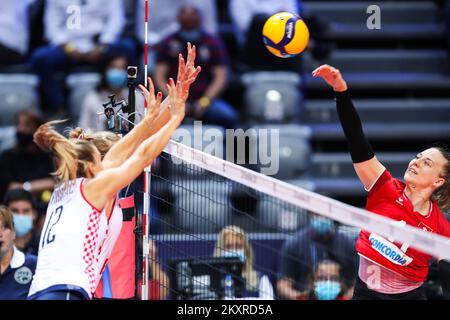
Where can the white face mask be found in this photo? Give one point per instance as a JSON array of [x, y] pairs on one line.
[[239, 253]]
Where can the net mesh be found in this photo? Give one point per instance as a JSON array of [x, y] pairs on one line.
[[215, 237]]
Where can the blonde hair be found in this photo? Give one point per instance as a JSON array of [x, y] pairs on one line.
[[248, 273], [442, 195], [6, 217], [72, 156], [102, 140]]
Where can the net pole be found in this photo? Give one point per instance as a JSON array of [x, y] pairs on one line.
[[147, 181]]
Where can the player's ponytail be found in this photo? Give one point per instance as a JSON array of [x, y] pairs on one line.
[[102, 140], [442, 194], [72, 157]]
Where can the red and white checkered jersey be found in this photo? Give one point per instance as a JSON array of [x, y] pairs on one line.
[[68, 248]]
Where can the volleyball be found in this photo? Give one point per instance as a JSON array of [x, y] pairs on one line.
[[285, 34]]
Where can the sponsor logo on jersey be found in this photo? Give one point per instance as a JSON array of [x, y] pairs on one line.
[[389, 250], [23, 275]]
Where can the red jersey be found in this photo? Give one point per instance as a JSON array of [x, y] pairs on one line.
[[387, 198]]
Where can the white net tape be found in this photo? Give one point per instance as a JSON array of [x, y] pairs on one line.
[[432, 244]]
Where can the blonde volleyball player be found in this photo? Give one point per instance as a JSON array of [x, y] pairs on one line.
[[392, 270], [67, 263], [115, 150]]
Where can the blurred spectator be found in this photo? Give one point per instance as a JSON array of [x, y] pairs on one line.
[[204, 102], [26, 166], [16, 268], [27, 224], [113, 81], [14, 31], [232, 242], [242, 13], [162, 20], [82, 33], [322, 239], [327, 282]]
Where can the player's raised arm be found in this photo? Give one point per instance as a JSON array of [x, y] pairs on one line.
[[152, 122], [108, 182], [366, 164]]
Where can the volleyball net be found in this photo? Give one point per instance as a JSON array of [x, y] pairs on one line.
[[219, 230]]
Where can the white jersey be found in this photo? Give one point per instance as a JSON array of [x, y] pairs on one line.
[[69, 241], [109, 231]]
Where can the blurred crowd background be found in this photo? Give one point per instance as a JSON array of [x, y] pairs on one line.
[[63, 58]]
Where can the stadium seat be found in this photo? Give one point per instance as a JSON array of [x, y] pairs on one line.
[[201, 207], [294, 151], [79, 85], [7, 137], [272, 96], [17, 92]]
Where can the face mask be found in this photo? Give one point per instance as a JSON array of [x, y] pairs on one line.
[[191, 35], [235, 254], [24, 139], [22, 224], [327, 290], [322, 226], [116, 78]]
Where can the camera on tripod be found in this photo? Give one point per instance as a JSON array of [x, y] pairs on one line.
[[121, 115]]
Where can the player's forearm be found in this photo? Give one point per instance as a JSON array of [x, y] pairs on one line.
[[125, 147], [360, 148], [153, 146]]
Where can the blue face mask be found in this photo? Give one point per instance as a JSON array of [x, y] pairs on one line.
[[322, 226], [191, 35], [22, 224], [235, 254], [327, 290], [116, 78]]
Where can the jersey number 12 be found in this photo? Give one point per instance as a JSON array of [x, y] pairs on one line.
[[48, 236]]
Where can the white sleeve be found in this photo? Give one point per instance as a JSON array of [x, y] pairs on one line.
[[116, 22], [265, 288], [54, 21]]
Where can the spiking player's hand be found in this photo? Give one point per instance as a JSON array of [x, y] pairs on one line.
[[332, 76]]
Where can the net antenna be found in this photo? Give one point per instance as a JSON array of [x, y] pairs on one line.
[[147, 182]]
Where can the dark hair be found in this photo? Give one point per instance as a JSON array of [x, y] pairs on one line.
[[442, 195], [105, 64], [33, 115], [18, 195]]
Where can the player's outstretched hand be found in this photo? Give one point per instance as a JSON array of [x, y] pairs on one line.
[[153, 102], [332, 76], [177, 98], [187, 72]]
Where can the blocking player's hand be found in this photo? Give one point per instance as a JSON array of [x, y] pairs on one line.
[[332, 76], [187, 72], [177, 98]]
